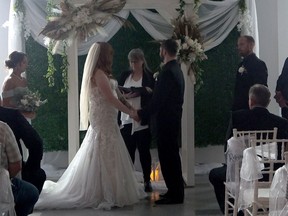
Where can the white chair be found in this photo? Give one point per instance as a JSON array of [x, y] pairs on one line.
[[232, 184], [6, 195], [278, 200], [253, 192]]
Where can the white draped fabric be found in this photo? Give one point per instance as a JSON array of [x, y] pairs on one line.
[[278, 204], [216, 20]]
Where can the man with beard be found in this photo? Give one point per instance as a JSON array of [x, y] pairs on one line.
[[250, 71], [165, 110]]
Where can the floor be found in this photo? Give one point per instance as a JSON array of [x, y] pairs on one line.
[[199, 200]]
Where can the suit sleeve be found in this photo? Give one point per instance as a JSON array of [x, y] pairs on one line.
[[261, 74], [162, 91], [283, 78], [284, 112]]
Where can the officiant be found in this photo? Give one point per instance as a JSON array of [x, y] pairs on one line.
[[138, 84]]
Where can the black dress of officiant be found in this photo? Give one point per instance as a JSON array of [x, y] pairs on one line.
[[139, 80], [250, 71]]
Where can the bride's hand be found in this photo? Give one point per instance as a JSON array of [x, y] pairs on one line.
[[134, 115]]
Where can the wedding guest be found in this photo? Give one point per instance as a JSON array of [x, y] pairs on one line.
[[101, 174], [25, 194], [15, 83], [257, 118], [23, 130], [166, 112], [140, 80], [250, 71], [281, 95]]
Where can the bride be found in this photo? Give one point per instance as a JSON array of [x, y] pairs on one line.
[[101, 174]]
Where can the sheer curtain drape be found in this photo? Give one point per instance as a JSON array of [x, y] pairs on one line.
[[216, 20]]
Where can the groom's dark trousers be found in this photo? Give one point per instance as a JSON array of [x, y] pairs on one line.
[[166, 113]]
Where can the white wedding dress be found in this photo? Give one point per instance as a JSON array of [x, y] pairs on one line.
[[101, 175]]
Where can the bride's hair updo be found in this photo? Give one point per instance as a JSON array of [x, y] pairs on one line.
[[105, 58], [14, 59]]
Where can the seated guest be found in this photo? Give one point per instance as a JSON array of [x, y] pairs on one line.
[[25, 194], [256, 118], [31, 171]]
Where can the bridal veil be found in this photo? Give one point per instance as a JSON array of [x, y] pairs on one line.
[[89, 68]]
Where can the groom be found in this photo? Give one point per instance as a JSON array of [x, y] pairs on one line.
[[166, 112], [31, 170]]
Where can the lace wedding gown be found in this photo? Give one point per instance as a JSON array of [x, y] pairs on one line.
[[101, 174]]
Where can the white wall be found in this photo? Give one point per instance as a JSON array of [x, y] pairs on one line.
[[273, 45], [4, 16]]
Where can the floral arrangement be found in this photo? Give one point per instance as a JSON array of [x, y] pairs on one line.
[[83, 21], [71, 22], [244, 18], [188, 37], [29, 101]]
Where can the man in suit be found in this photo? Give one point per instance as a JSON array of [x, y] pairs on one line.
[[31, 170], [25, 194], [166, 111], [250, 71], [281, 95], [257, 118]]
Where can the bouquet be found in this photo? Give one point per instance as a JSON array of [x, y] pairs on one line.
[[29, 101]]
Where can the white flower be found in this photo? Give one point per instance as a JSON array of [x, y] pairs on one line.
[[37, 103], [242, 70], [155, 75], [24, 101], [185, 46]]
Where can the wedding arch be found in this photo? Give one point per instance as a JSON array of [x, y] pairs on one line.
[[216, 21]]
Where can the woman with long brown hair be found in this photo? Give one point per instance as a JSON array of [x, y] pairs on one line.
[[101, 174]]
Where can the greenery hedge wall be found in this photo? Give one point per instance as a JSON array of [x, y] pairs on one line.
[[212, 102]]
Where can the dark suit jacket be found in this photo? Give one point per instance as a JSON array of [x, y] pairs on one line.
[[23, 130], [284, 112], [166, 105], [257, 118], [282, 82], [147, 81], [256, 73]]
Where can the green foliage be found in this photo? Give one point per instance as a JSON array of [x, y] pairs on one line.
[[242, 6], [51, 120], [214, 99]]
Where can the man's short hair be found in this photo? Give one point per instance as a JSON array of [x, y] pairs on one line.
[[260, 95], [171, 46], [249, 38]]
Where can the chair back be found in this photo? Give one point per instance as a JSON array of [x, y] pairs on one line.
[[240, 141]]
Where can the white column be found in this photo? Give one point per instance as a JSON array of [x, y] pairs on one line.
[[188, 136], [273, 45], [73, 102]]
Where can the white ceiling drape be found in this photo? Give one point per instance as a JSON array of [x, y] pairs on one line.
[[216, 21]]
